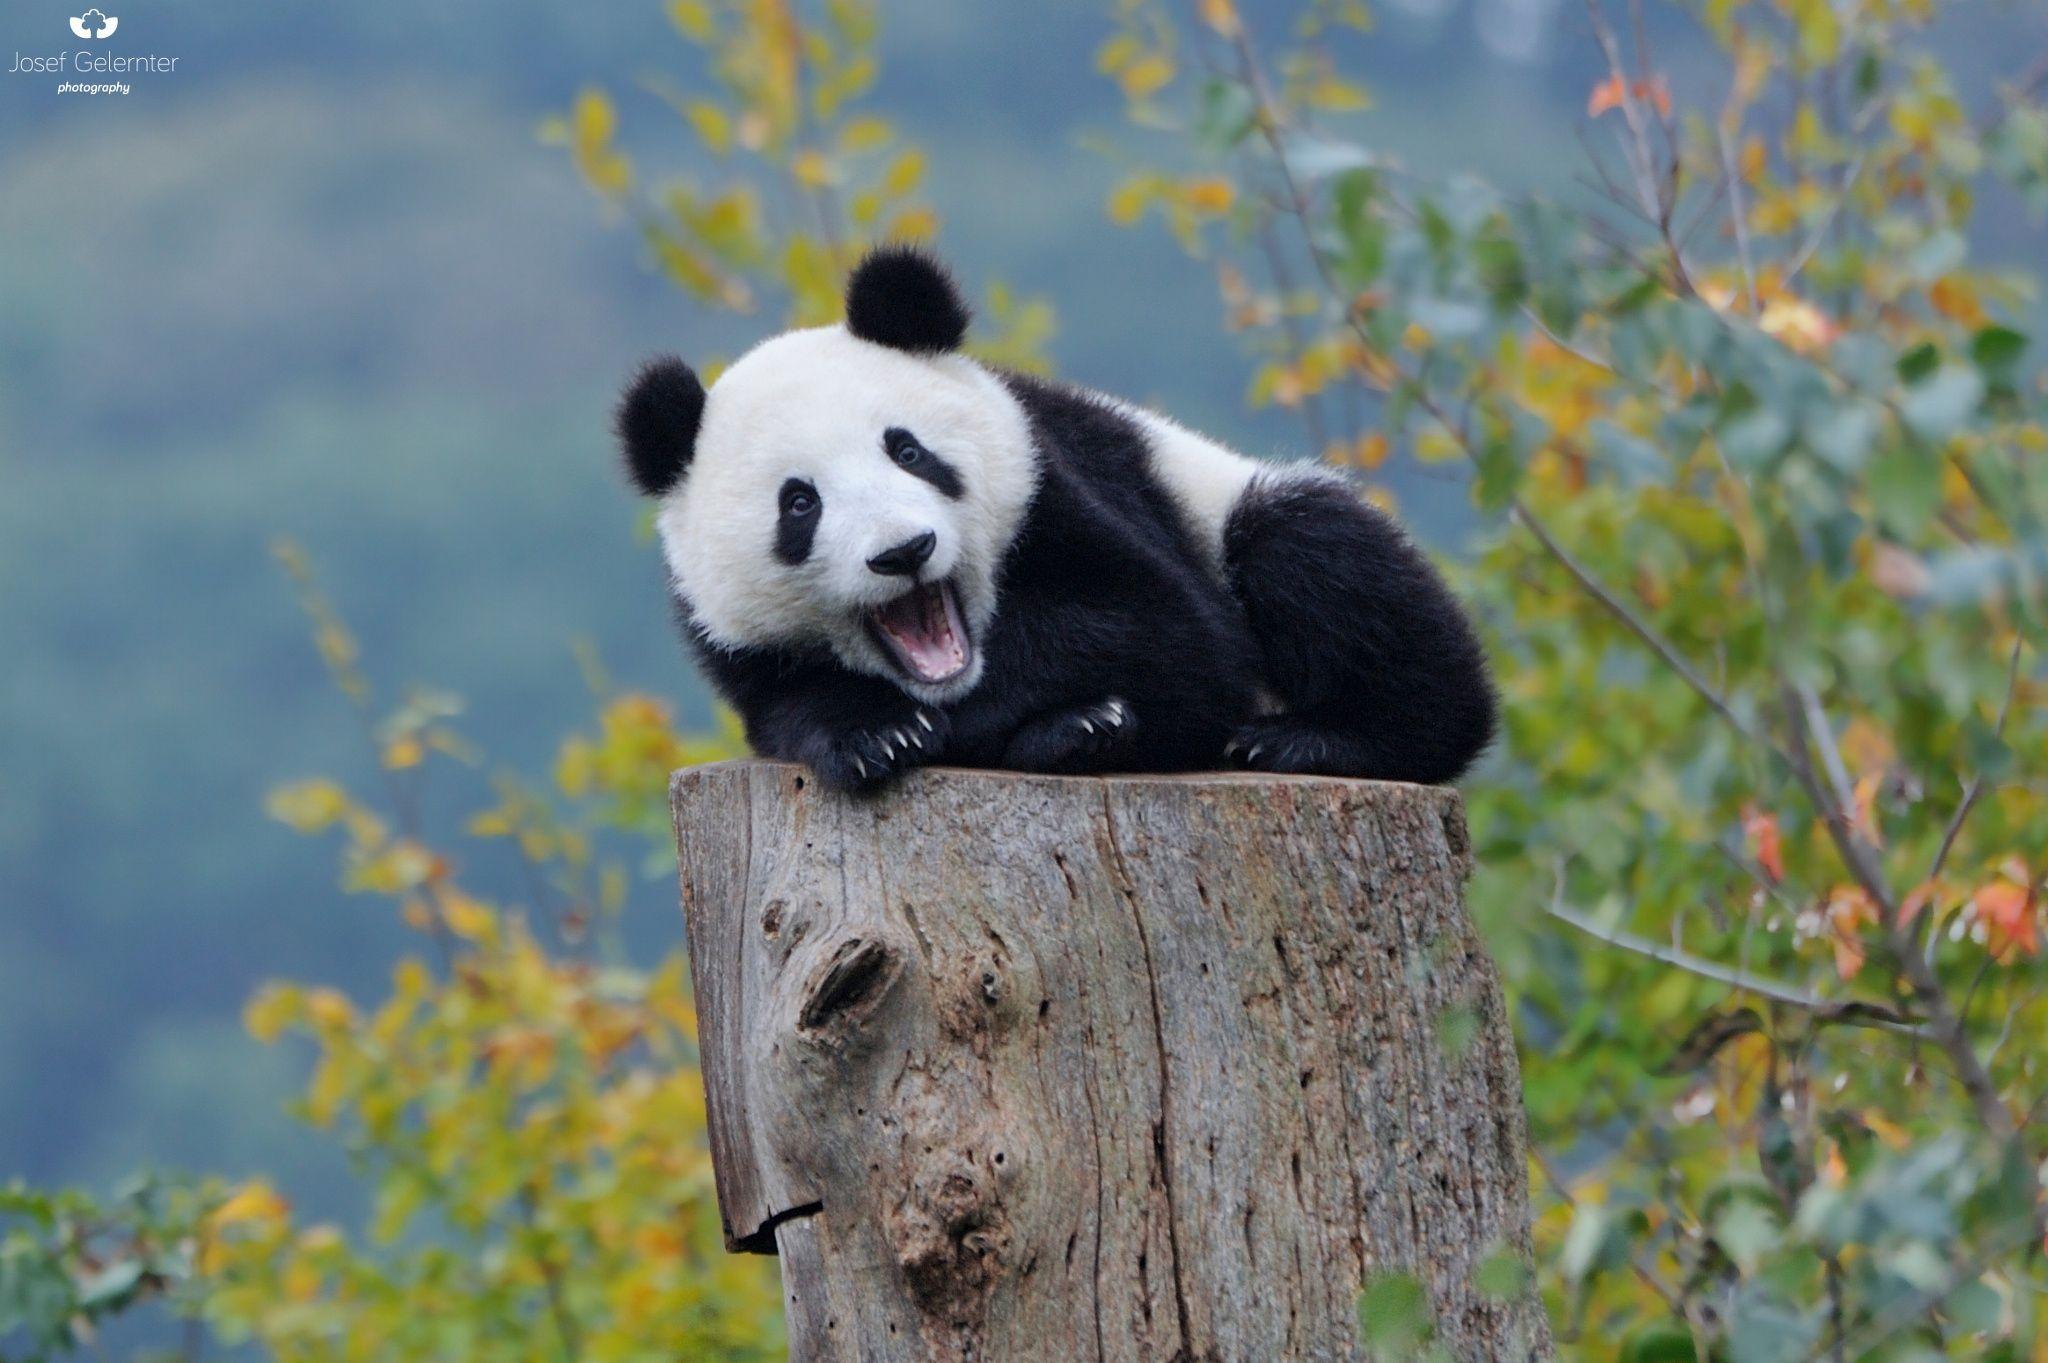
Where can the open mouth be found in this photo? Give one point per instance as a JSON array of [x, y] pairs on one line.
[[923, 632]]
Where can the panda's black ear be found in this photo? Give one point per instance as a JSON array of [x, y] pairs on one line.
[[657, 423], [902, 298]]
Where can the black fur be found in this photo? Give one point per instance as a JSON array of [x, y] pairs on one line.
[[900, 297], [1117, 647], [1377, 672], [657, 423], [913, 458]]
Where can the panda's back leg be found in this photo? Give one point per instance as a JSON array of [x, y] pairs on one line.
[[1377, 672]]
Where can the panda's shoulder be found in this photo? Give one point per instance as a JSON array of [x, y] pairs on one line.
[[1077, 426]]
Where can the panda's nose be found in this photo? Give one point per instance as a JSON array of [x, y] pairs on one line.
[[905, 558]]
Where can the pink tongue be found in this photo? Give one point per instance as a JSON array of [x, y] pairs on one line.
[[917, 623]]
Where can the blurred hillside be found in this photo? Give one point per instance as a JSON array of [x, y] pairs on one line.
[[325, 283]]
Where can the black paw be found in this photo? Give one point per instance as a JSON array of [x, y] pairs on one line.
[[1293, 746], [1086, 738], [866, 759]]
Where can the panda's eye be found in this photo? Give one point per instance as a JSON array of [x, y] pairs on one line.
[[798, 498], [902, 446]]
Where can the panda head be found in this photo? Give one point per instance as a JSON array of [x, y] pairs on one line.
[[850, 487]]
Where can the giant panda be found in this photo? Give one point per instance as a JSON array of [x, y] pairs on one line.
[[888, 554]]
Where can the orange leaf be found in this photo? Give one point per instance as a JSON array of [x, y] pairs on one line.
[[1762, 832], [2010, 923], [1863, 818], [1848, 909], [1917, 899], [1609, 94]]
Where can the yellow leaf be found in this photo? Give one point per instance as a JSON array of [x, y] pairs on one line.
[[274, 1008], [467, 918], [330, 1008], [402, 752], [1146, 76], [864, 134], [713, 126], [1128, 200], [308, 806], [811, 169], [1114, 55], [1338, 96], [914, 224], [256, 1201], [1800, 325], [904, 174], [1221, 17], [1212, 195], [693, 18]]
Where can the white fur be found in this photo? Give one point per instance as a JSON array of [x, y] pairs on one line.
[[1206, 478], [813, 404]]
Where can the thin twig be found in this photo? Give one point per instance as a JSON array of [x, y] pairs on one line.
[[1975, 785], [1854, 1013], [1738, 216]]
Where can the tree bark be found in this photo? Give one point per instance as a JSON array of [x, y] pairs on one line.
[[1021, 1068]]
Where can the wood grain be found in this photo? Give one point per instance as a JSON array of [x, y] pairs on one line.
[[1026, 1068]]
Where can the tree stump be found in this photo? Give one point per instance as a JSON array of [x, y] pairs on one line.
[[1020, 1068]]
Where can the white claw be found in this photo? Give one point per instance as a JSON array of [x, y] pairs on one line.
[[922, 720], [862, 766], [1089, 725], [888, 752], [1253, 755]]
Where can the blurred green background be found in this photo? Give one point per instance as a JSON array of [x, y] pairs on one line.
[[325, 282]]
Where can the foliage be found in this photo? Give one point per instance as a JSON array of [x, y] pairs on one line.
[[69, 1263], [527, 1112], [1759, 450], [793, 182]]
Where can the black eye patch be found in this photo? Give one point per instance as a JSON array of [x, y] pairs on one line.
[[914, 459], [796, 523]]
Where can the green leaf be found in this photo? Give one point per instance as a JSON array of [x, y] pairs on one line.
[[1664, 1342], [1227, 115], [1997, 350], [1905, 489], [1937, 406], [111, 1286], [1501, 1276], [1938, 255], [1756, 437], [1393, 1314], [1842, 435], [1917, 363]]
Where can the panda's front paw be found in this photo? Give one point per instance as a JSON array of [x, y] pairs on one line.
[[1282, 743], [866, 759], [1085, 738]]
